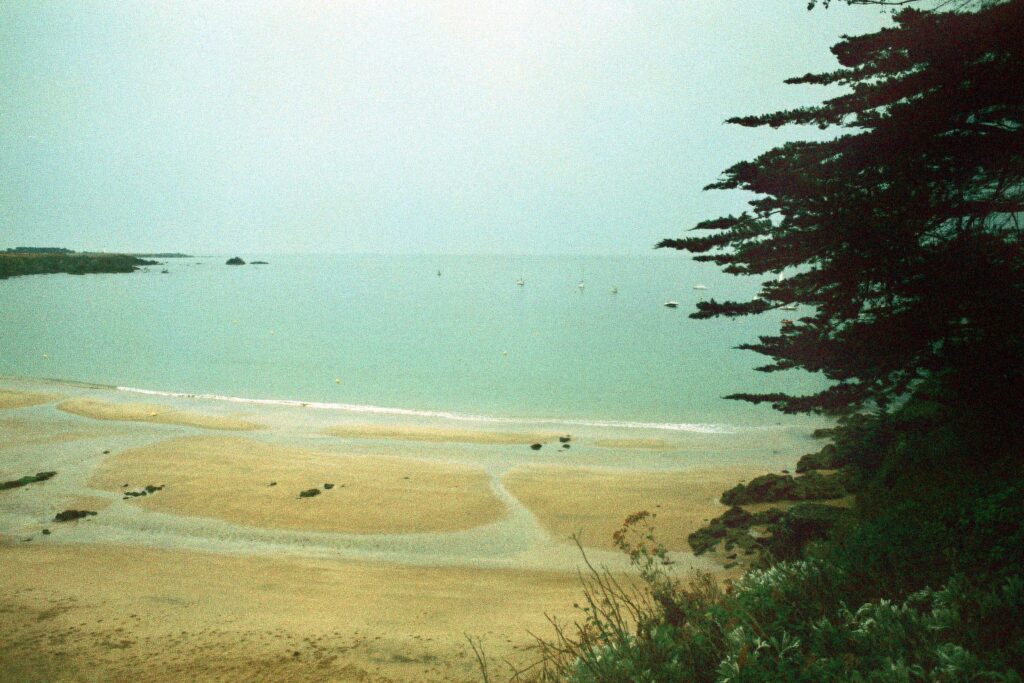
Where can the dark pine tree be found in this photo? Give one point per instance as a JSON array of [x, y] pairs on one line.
[[905, 230]]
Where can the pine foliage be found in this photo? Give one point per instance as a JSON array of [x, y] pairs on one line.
[[905, 229]]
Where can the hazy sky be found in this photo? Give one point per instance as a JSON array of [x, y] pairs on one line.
[[505, 126]]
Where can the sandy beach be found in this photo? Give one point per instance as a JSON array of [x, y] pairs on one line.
[[157, 414], [209, 559]]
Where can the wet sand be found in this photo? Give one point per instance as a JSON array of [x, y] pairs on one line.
[[22, 399], [431, 531], [157, 414], [641, 444], [438, 435]]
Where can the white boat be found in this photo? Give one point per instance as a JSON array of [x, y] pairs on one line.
[[700, 287], [615, 290], [671, 304], [789, 307], [520, 282], [581, 285]]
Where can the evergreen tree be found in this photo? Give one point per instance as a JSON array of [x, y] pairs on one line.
[[904, 232]]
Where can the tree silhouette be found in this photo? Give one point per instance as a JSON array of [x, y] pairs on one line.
[[903, 233]]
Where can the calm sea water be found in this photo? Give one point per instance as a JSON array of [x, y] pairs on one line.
[[395, 334]]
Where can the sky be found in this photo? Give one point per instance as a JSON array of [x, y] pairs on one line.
[[302, 126]]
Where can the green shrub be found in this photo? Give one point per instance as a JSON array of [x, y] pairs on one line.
[[922, 581], [791, 623]]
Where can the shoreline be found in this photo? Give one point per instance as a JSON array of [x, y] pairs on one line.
[[400, 412], [434, 518]]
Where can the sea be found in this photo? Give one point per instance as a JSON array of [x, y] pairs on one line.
[[582, 339]]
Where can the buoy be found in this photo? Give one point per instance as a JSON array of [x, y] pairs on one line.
[[337, 380]]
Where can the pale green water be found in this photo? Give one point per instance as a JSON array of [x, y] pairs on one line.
[[397, 335]]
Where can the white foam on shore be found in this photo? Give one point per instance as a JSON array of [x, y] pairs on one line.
[[699, 428]]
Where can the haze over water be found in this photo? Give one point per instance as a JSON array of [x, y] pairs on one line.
[[395, 334]]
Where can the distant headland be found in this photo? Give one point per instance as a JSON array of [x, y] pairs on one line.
[[44, 260]]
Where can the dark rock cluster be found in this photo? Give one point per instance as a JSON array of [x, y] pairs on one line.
[[770, 488], [828, 458], [26, 480], [781, 535], [72, 515], [145, 491]]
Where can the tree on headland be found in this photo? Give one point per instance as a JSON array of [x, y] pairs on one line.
[[902, 235]]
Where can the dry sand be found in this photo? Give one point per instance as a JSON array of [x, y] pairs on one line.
[[229, 478], [111, 613], [438, 435], [22, 399], [596, 501], [158, 414]]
